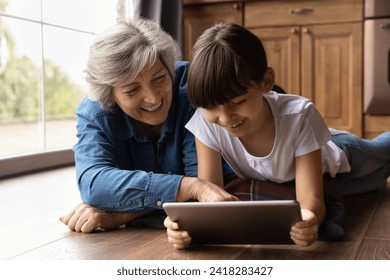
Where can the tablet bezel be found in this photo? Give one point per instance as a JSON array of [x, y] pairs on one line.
[[236, 222]]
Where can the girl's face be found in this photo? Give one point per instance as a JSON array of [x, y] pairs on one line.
[[148, 97], [243, 115]]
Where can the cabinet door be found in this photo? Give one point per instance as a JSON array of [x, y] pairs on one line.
[[331, 73], [283, 53], [198, 18]]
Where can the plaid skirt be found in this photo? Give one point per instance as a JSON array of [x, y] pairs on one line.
[[332, 226]]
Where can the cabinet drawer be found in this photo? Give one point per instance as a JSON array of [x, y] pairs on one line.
[[291, 12]]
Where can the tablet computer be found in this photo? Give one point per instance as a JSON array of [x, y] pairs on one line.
[[236, 222]]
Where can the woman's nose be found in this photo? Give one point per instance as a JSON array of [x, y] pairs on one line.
[[151, 94]]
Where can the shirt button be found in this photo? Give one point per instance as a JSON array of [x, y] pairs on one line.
[[159, 203]]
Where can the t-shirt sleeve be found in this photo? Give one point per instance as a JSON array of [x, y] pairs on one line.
[[203, 130], [314, 132]]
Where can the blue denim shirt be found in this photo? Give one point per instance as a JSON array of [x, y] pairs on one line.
[[115, 163]]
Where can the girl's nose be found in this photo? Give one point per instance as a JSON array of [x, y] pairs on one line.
[[225, 114]]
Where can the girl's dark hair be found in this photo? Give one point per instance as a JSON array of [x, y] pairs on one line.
[[226, 60]]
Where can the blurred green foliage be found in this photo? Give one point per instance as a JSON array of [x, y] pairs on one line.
[[21, 84]]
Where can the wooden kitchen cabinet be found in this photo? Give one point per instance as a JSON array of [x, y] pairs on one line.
[[375, 125], [199, 17], [316, 52], [314, 46], [283, 48]]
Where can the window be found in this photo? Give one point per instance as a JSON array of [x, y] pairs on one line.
[[43, 49]]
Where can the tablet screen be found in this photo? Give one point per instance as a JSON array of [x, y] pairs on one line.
[[238, 222]]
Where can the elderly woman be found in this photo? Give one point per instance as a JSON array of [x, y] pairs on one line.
[[133, 151]]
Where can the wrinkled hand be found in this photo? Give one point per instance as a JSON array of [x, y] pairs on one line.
[[304, 233], [85, 218], [202, 190], [180, 239], [195, 189]]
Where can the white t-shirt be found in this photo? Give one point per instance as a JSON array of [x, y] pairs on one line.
[[300, 129]]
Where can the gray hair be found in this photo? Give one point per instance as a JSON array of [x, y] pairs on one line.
[[119, 54]]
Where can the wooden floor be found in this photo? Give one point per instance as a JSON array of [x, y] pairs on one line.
[[30, 207]]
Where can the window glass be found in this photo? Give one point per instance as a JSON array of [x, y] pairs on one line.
[[75, 14], [65, 52], [20, 80], [29, 9], [105, 13], [42, 58]]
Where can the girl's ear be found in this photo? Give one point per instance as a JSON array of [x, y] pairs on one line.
[[268, 80]]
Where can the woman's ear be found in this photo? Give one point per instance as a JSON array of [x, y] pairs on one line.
[[268, 80], [111, 101]]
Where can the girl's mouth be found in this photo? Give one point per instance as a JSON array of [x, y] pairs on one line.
[[235, 125]]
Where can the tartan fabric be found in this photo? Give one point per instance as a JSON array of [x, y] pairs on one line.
[[332, 226], [247, 189]]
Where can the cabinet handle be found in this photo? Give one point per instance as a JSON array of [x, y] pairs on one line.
[[385, 25], [300, 11], [236, 6], [306, 30], [294, 30]]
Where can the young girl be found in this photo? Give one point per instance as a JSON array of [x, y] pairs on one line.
[[264, 135]]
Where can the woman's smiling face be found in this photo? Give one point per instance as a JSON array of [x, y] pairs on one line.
[[148, 97]]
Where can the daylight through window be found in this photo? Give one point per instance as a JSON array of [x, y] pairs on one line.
[[43, 50]]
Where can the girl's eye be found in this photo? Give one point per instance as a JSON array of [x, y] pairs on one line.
[[239, 102]]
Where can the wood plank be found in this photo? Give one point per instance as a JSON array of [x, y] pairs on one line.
[[28, 235], [31, 206], [230, 252], [359, 210], [110, 245], [37, 194], [379, 226], [374, 249], [131, 244], [148, 244]]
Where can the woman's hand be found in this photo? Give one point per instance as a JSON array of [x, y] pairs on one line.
[[193, 189], [179, 239], [304, 233], [202, 190], [85, 218]]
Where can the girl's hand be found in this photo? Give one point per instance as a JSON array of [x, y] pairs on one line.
[[179, 239], [194, 189], [304, 233]]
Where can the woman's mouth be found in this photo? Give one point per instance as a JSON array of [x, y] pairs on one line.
[[152, 108]]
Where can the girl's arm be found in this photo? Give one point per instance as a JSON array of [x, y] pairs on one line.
[[309, 192], [209, 164], [210, 184]]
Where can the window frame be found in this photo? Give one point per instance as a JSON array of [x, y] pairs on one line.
[[29, 162], [33, 162]]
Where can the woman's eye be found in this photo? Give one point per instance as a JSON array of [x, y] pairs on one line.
[[159, 78], [131, 91]]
